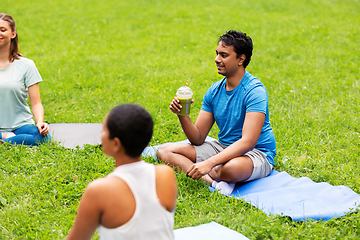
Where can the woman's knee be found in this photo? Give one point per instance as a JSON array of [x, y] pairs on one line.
[[30, 135], [27, 129]]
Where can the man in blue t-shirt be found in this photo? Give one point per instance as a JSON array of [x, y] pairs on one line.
[[239, 106]]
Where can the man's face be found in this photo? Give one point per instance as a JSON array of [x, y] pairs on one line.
[[226, 60]]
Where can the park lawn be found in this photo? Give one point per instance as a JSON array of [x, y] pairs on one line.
[[94, 55]]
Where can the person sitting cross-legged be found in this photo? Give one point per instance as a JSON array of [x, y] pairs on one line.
[[239, 105], [19, 80]]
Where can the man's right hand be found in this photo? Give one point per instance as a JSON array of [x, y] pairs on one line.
[[175, 105], [197, 170]]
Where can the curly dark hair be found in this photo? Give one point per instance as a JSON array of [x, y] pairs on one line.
[[132, 125], [241, 42]]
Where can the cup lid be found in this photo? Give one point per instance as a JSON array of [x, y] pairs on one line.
[[184, 90]]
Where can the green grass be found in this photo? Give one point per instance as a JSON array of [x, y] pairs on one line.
[[93, 55]]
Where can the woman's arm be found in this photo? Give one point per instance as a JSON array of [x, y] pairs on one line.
[[37, 109], [88, 214], [166, 186]]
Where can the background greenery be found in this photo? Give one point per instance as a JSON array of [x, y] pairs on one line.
[[94, 55]]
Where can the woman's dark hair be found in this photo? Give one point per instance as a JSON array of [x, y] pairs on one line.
[[14, 46], [132, 125], [241, 42]]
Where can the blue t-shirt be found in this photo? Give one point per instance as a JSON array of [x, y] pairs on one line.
[[230, 107]]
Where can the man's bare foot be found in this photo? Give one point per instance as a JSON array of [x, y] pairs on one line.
[[207, 179]]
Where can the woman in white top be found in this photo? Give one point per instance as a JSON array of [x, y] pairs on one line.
[[137, 200], [19, 80]]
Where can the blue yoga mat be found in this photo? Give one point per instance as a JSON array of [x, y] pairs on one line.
[[299, 198], [208, 231]]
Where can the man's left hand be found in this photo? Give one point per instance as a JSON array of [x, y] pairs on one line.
[[197, 170]]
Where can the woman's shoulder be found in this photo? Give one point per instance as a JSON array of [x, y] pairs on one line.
[[24, 63], [164, 170], [109, 187], [105, 183]]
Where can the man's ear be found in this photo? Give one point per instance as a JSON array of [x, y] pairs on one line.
[[241, 59]]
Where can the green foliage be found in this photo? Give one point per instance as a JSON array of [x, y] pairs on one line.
[[93, 55]]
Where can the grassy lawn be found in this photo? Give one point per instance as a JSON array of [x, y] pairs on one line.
[[94, 55]]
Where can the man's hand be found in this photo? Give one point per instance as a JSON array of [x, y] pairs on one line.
[[197, 170], [175, 105]]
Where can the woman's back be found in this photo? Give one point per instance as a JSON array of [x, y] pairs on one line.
[[142, 216]]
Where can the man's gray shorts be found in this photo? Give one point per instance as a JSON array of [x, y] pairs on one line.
[[262, 167]]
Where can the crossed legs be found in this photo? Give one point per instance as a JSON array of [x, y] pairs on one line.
[[27, 135], [180, 156], [183, 156]]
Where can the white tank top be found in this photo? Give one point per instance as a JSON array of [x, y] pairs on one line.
[[151, 221]]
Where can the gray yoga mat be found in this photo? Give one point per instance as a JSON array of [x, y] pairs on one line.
[[71, 135]]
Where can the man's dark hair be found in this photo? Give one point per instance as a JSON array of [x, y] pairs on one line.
[[133, 125], [242, 44]]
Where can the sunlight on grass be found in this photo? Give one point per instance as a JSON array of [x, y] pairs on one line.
[[93, 55]]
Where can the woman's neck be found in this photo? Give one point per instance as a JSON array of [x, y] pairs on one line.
[[125, 159], [4, 58]]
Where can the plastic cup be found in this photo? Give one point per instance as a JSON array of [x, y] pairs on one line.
[[184, 94]]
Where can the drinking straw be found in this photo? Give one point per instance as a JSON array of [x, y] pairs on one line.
[[187, 82]]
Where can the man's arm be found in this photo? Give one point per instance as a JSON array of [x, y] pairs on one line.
[[196, 133], [253, 124]]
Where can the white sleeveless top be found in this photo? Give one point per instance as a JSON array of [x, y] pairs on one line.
[[151, 221]]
